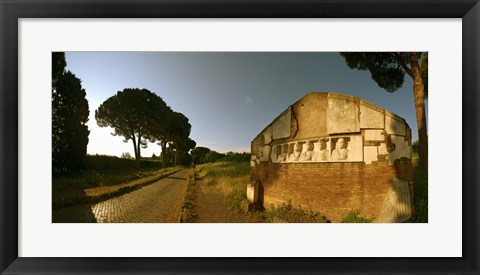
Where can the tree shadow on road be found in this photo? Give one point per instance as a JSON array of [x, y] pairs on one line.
[[74, 214], [176, 178]]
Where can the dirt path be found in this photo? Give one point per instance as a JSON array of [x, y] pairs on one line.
[[158, 202], [209, 207]]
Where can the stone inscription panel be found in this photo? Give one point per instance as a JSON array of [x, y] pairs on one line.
[[342, 116], [281, 127], [322, 149]]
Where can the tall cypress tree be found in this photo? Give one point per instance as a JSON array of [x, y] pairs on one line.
[[69, 117]]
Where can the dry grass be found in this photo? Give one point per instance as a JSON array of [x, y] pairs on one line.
[[229, 179]]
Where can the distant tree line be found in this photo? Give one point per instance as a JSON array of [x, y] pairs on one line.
[[204, 155]]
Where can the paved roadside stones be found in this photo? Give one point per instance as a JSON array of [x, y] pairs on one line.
[[158, 202]]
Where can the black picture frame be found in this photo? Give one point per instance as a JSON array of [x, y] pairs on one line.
[[11, 11]]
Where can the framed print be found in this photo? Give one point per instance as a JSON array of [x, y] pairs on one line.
[[38, 240]]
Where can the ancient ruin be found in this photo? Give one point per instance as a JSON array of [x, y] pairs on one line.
[[334, 153]]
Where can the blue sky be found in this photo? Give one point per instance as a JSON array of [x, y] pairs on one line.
[[228, 97]]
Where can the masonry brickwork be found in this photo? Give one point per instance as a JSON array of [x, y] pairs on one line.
[[333, 189]]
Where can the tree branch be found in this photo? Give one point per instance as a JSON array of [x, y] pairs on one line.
[[402, 63]]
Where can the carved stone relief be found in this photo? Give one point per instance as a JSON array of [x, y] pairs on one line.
[[253, 161], [347, 148], [263, 153]]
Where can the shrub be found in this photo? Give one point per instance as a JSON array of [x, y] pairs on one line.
[[287, 213], [102, 162], [353, 217], [420, 195]]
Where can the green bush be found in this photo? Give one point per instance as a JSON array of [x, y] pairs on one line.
[[287, 213], [236, 197], [353, 217], [102, 162], [420, 195]]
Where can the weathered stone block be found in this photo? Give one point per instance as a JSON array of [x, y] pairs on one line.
[[397, 204], [394, 126], [371, 116], [374, 135], [309, 116], [252, 191], [402, 149], [281, 127], [382, 149], [342, 115], [263, 153], [370, 153], [267, 135]]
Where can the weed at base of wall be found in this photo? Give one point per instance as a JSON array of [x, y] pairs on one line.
[[286, 213], [354, 217]]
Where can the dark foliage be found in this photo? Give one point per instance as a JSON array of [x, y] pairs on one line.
[[69, 117], [199, 153], [384, 68], [415, 146], [175, 132], [101, 162], [132, 113], [214, 156]]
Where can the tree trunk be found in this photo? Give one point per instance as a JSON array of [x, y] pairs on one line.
[[176, 155], [419, 97], [164, 154], [139, 160], [136, 151]]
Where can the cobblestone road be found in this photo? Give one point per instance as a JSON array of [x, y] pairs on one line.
[[158, 202]]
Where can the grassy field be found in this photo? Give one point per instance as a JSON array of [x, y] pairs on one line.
[[231, 178], [91, 186], [186, 215]]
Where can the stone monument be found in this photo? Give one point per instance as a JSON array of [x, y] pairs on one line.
[[334, 153]]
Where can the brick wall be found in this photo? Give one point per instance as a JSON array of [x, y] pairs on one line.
[[333, 189]]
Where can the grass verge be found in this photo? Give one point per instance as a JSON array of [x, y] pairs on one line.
[[286, 213], [79, 188], [229, 179], [354, 217], [187, 215]]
